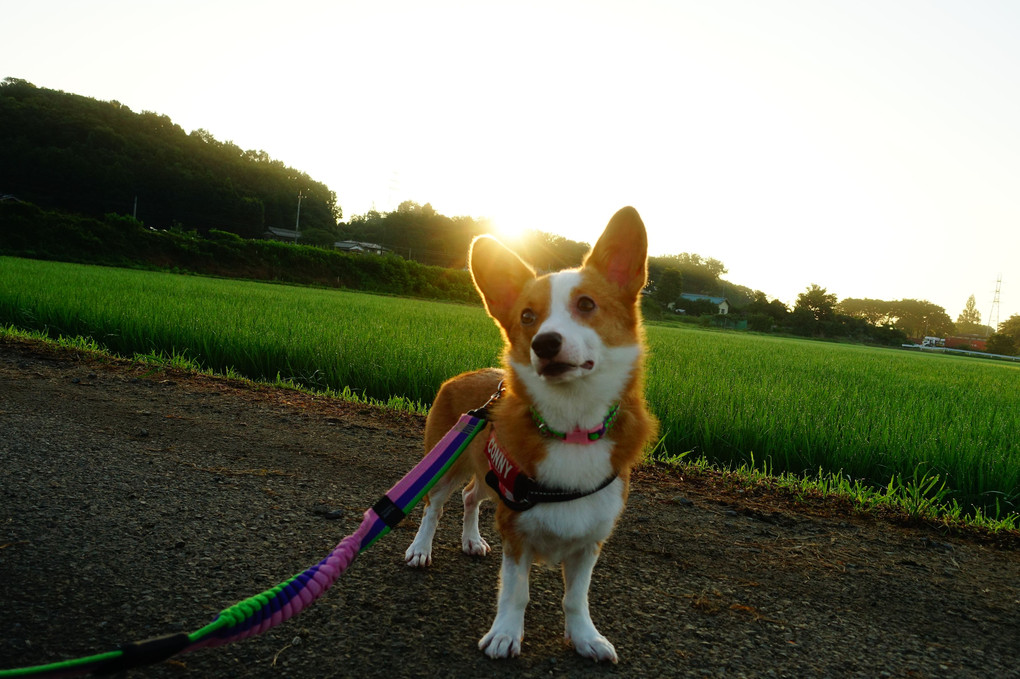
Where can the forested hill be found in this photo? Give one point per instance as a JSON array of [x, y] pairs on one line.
[[94, 157]]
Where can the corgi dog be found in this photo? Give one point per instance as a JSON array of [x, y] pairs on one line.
[[569, 424]]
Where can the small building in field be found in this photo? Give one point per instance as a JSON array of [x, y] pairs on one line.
[[358, 246], [722, 304]]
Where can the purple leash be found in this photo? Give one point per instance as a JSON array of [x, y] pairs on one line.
[[264, 611]]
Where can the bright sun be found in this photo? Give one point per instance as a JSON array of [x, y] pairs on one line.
[[508, 229]]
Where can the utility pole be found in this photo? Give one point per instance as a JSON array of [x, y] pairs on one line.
[[134, 212], [297, 222]]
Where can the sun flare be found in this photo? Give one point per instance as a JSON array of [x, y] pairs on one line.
[[508, 230]]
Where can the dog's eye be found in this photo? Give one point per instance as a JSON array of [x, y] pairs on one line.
[[586, 305], [528, 317]]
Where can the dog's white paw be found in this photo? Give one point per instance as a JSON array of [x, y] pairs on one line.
[[418, 557], [594, 646], [475, 546], [500, 644]]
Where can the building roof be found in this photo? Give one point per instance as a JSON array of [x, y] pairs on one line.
[[359, 246], [697, 298], [289, 234]]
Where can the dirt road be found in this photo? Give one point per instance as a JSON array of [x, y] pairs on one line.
[[135, 503]]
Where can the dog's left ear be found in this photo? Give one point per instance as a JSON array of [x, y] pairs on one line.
[[621, 253]]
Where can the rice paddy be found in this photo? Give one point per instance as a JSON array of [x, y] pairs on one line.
[[877, 416]]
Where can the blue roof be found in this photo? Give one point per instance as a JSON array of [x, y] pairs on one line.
[[697, 298]]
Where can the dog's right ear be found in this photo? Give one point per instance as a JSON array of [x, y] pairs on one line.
[[621, 253], [499, 275]]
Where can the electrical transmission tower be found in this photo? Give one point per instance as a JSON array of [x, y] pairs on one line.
[[993, 316]]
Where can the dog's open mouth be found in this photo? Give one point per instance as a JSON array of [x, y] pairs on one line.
[[558, 368]]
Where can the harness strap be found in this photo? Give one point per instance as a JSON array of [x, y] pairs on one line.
[[534, 493], [517, 490]]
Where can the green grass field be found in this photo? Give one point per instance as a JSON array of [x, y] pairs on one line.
[[791, 405]]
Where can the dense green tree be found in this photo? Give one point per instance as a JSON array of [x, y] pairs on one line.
[[921, 318], [760, 304], [818, 301], [916, 318], [322, 237], [668, 287], [1011, 327], [1001, 343], [969, 320], [93, 157], [418, 232], [875, 311], [700, 275], [802, 321]]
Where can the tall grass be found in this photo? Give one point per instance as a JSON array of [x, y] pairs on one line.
[[877, 415], [378, 346], [873, 414]]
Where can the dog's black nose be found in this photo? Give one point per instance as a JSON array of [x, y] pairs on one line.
[[547, 345]]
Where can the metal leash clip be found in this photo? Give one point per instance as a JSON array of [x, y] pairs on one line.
[[483, 412]]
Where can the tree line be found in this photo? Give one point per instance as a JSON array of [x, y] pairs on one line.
[[94, 157], [100, 159], [418, 232], [818, 313]]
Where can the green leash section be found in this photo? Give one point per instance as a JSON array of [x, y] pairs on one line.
[[60, 668], [264, 611]]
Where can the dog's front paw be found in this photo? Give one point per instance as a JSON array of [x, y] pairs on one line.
[[500, 644], [475, 546], [594, 646], [418, 557]]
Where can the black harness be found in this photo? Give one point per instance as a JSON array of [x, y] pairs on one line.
[[517, 490]]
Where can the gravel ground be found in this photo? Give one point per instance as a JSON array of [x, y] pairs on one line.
[[136, 502]]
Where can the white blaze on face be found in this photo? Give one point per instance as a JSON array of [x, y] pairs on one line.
[[581, 346], [582, 395]]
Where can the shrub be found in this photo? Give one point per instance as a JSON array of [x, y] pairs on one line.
[[217, 235], [119, 240]]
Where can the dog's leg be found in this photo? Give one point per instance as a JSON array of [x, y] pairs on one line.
[[504, 637], [471, 539], [580, 630], [419, 554]]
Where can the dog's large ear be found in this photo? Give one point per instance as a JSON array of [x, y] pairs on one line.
[[621, 253], [499, 275]]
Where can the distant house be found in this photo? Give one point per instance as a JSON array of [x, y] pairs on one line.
[[273, 233], [358, 246], [721, 303]]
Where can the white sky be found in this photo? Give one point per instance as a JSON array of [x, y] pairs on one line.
[[869, 146]]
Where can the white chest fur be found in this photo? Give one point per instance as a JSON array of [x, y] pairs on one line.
[[556, 529]]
